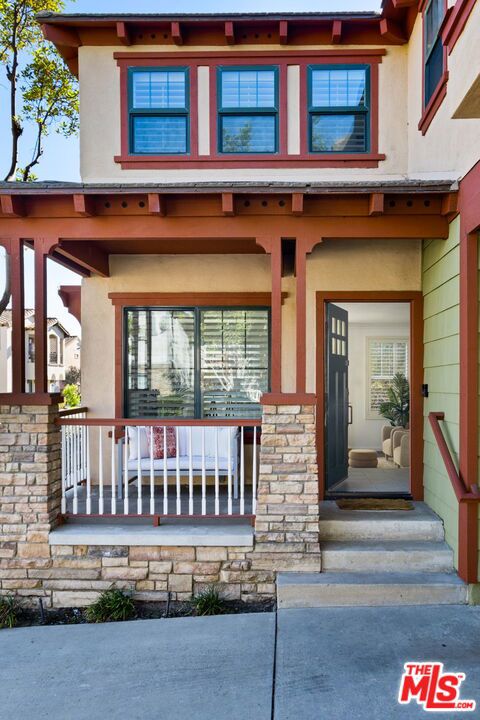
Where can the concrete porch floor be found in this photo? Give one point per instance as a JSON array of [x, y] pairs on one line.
[[315, 665]]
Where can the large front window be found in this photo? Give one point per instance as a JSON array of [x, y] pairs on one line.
[[339, 104], [158, 101], [248, 109], [196, 362]]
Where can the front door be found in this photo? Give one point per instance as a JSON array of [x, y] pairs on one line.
[[336, 400]]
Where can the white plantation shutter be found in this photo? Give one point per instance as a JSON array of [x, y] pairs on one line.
[[386, 357]]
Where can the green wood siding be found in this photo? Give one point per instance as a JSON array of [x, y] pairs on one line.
[[440, 284]]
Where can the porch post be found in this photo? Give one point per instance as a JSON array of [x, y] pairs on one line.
[[303, 246], [273, 246], [42, 247], [18, 315]]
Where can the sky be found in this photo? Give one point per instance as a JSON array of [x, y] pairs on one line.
[[60, 159]]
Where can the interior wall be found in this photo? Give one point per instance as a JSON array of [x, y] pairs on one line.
[[365, 432]]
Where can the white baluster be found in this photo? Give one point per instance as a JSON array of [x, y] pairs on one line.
[[165, 473], [254, 472], [190, 473], [152, 475], [64, 474], [113, 475], [204, 476], [229, 478], [100, 473], [75, 477], [177, 467], [125, 473], [139, 474], [242, 473], [217, 476], [89, 478]]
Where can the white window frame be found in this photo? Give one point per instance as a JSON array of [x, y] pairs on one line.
[[369, 413]]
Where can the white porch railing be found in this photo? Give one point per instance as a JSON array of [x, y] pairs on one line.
[[159, 468]]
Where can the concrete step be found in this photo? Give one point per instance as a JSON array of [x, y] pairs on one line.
[[412, 525], [389, 556], [339, 589]]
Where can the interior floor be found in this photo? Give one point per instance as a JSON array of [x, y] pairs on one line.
[[386, 478]]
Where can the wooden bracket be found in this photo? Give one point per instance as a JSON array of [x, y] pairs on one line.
[[297, 203], [84, 205], [123, 33], [336, 32], [176, 31], [228, 207], [12, 206], [229, 33], [283, 32], [156, 204], [376, 204], [391, 32]]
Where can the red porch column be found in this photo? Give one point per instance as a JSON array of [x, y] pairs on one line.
[[303, 247], [273, 246], [14, 249], [42, 248]]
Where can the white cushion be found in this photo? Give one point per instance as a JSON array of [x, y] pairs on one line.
[[224, 435], [133, 442]]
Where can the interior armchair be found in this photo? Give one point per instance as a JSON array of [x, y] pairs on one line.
[[401, 447]]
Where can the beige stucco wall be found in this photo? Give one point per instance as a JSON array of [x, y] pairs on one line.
[[449, 147], [100, 123], [334, 265]]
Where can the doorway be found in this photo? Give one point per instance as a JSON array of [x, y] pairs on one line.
[[370, 407]]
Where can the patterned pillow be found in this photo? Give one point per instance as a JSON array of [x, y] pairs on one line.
[[159, 442]]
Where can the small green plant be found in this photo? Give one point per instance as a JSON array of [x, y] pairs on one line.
[[112, 606], [397, 408], [208, 602], [71, 396], [9, 611]]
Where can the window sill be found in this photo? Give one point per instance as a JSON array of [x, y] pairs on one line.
[[434, 104], [190, 534], [365, 160]]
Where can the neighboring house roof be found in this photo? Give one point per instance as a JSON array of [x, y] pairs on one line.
[[6, 321]]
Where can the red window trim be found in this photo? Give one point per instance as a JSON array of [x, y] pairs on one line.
[[455, 23], [431, 109], [215, 160]]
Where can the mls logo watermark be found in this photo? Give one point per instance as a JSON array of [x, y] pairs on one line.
[[434, 689]]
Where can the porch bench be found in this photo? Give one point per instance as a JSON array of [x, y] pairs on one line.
[[183, 462]]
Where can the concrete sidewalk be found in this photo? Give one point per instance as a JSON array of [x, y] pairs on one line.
[[331, 664]]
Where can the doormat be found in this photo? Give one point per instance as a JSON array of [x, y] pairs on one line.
[[374, 504]]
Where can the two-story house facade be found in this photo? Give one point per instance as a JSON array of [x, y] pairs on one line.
[[277, 224]]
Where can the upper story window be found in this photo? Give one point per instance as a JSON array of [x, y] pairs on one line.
[[338, 106], [248, 110], [159, 111], [433, 57]]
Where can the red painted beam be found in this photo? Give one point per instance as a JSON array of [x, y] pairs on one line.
[[71, 297], [61, 36], [391, 32], [86, 254], [376, 204], [450, 205], [84, 205], [297, 203], [157, 204], [273, 246], [176, 32], [123, 33], [336, 32], [17, 282], [42, 247], [12, 206], [228, 206], [283, 32], [229, 33]]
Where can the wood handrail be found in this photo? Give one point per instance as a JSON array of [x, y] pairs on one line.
[[175, 422], [462, 492], [72, 411]]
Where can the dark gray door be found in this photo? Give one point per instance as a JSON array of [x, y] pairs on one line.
[[336, 400]]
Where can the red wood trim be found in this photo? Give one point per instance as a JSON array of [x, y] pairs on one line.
[[374, 109], [160, 422], [302, 247], [456, 22], [18, 315], [193, 112], [67, 412], [123, 33], [197, 299], [157, 204], [176, 33], [83, 204], [118, 370], [376, 204], [415, 299], [66, 37], [391, 32], [434, 104], [71, 296], [215, 161], [228, 207], [297, 203], [283, 32], [336, 32], [42, 247], [30, 399], [273, 246], [403, 3], [229, 33], [252, 56], [283, 112], [450, 205], [88, 255], [288, 399], [12, 206]]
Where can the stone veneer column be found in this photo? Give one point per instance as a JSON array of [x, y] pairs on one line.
[[30, 493], [286, 525]]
